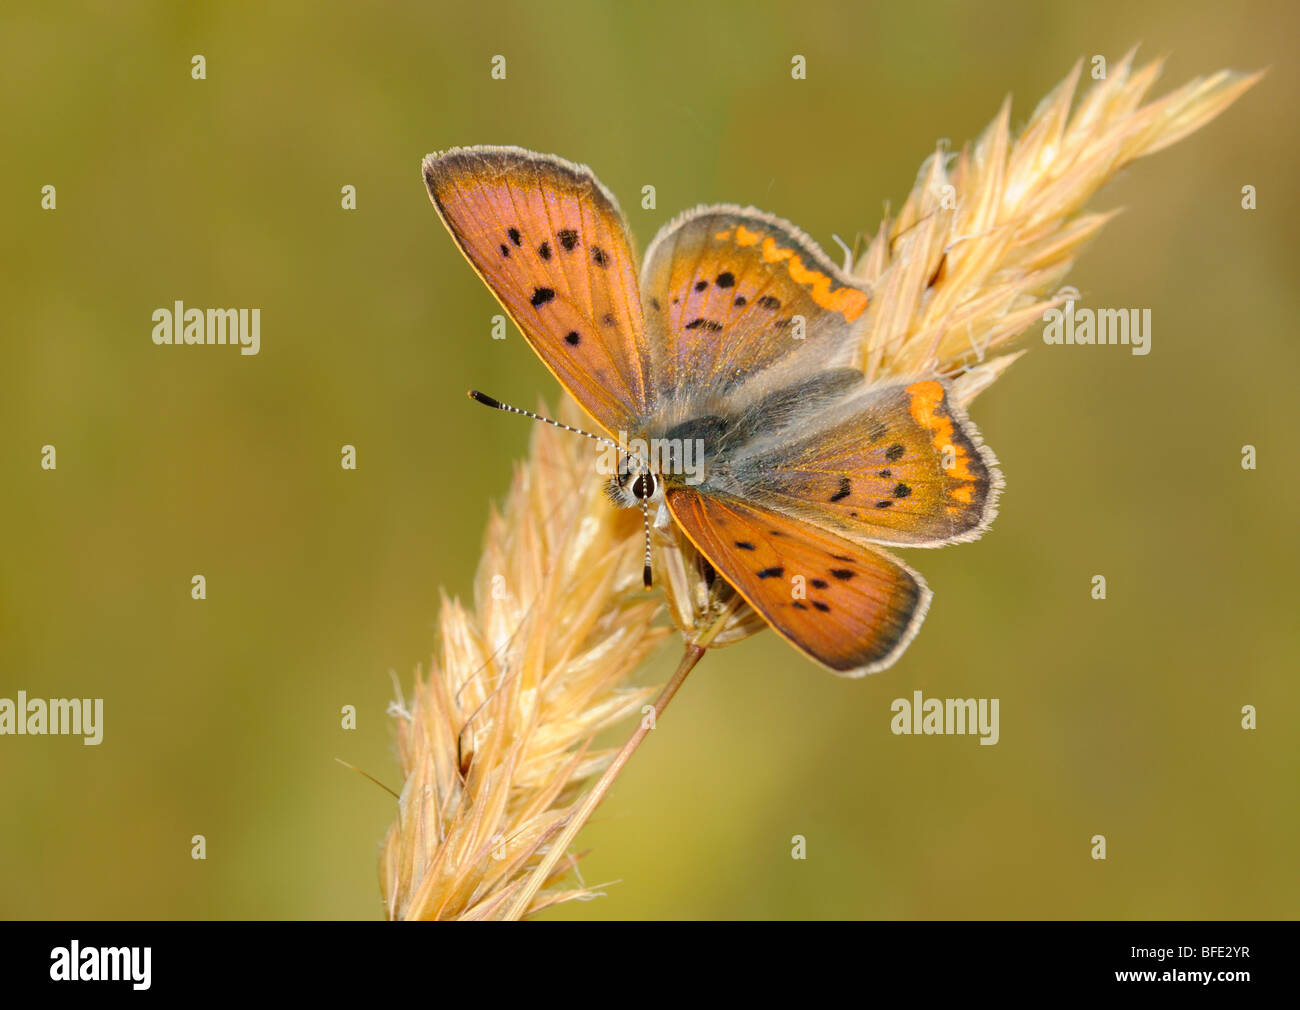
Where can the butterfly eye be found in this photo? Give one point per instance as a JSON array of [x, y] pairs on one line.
[[644, 486]]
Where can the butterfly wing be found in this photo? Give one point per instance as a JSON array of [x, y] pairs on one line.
[[850, 607], [732, 293], [900, 465], [550, 242]]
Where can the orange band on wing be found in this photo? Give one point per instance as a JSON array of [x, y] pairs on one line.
[[926, 397], [848, 302]]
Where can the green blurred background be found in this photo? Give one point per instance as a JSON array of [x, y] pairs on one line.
[[222, 717]]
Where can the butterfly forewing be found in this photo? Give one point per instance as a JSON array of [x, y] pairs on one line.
[[850, 607], [730, 293], [551, 244]]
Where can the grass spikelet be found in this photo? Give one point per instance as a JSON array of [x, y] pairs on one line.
[[495, 744], [973, 257]]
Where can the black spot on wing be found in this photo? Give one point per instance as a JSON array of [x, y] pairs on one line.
[[712, 325], [544, 250], [514, 235], [505, 250], [568, 239], [598, 256], [820, 583], [901, 490], [573, 338], [846, 489], [541, 296], [821, 606], [895, 452], [768, 302], [701, 285], [774, 572], [725, 279], [744, 545], [740, 301], [843, 574]]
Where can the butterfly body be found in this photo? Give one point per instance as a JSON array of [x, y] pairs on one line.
[[729, 373]]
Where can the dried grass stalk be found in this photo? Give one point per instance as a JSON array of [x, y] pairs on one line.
[[496, 744]]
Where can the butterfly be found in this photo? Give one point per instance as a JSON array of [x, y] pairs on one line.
[[732, 359]]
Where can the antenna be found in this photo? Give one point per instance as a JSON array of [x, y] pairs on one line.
[[491, 401], [646, 577]]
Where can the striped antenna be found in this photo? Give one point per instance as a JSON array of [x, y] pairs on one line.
[[646, 575], [491, 401]]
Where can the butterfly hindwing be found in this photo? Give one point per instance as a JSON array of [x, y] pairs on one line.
[[850, 607], [899, 465], [550, 242], [731, 292]]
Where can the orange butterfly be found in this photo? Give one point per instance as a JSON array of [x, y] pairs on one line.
[[727, 375]]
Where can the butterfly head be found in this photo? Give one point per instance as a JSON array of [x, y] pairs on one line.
[[634, 485]]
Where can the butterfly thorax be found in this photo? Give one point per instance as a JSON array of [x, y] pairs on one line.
[[703, 445]]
